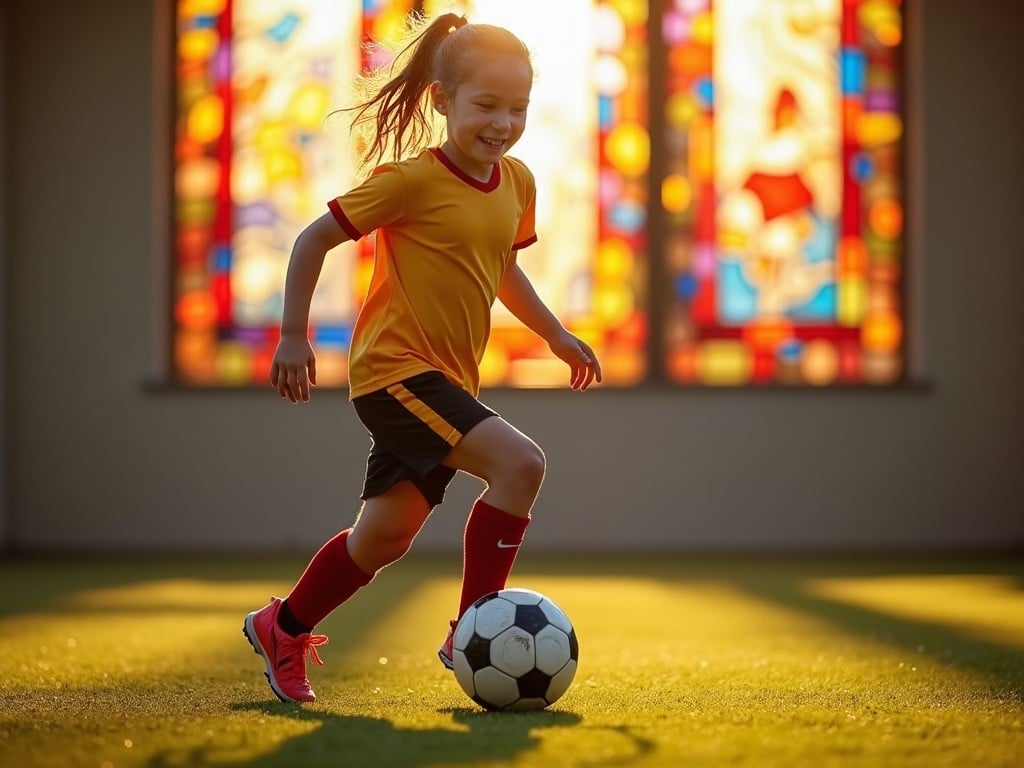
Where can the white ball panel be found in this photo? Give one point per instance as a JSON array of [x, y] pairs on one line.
[[560, 683], [513, 651], [552, 649], [556, 615], [463, 672], [495, 687], [464, 629], [522, 596], [494, 617]]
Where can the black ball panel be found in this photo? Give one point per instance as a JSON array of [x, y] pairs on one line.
[[531, 618], [478, 652], [574, 646], [534, 684]]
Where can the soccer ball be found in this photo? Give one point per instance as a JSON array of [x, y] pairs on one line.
[[514, 649]]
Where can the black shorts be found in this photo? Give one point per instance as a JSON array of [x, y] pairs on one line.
[[414, 424]]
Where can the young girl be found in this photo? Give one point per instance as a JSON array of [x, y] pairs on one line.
[[449, 221]]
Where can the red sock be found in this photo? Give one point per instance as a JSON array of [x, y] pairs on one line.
[[331, 578], [490, 546]]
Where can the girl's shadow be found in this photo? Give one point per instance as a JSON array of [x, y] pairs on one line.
[[356, 740]]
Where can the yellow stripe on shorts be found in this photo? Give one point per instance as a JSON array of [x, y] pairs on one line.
[[425, 413]]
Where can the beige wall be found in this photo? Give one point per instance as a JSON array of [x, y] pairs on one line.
[[99, 461], [4, 117]]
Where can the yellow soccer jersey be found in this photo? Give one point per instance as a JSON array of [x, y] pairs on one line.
[[444, 241]]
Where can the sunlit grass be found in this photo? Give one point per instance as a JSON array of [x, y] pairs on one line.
[[702, 662], [988, 607]]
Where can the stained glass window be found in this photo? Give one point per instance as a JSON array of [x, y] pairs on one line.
[[782, 189], [780, 258], [255, 163]]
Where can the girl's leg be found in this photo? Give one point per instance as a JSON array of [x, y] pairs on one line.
[[382, 533], [281, 632], [509, 462], [512, 466], [387, 525]]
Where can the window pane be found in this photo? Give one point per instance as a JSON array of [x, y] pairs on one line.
[[780, 183], [783, 192], [255, 163]]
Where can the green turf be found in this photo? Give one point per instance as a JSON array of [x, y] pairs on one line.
[[683, 662]]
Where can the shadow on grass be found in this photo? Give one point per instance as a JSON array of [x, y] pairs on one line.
[[938, 642], [783, 580], [49, 583], [40, 585], [357, 740]]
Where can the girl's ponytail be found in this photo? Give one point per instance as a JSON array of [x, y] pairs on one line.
[[397, 117]]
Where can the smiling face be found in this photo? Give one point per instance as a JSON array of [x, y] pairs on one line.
[[486, 113]]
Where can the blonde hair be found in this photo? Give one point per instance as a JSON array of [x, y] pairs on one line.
[[392, 117]]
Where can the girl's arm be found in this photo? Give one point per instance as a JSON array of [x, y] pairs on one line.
[[294, 367], [518, 295]]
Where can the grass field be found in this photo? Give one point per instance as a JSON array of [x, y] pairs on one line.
[[683, 662]]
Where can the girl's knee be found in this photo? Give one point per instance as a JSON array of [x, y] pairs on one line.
[[528, 466]]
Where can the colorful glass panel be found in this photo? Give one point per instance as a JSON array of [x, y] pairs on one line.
[[255, 163], [782, 191]]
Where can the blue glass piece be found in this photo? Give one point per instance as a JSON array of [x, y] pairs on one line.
[[862, 168], [737, 299], [222, 258], [704, 90], [605, 112], [627, 217], [822, 306], [686, 286], [283, 29], [821, 245], [853, 67], [789, 350], [334, 335]]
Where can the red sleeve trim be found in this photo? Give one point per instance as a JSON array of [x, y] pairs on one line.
[[342, 219], [524, 243]]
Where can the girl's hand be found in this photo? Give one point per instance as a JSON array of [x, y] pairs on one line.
[[294, 368], [583, 365]]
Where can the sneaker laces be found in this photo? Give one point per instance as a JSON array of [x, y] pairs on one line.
[[307, 645]]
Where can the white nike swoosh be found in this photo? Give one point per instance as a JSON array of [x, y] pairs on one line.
[[503, 545]]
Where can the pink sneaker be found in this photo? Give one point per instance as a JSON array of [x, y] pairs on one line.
[[284, 655], [444, 653]]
